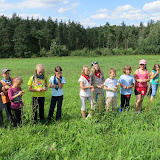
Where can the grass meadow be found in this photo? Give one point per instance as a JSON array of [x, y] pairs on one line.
[[105, 137]]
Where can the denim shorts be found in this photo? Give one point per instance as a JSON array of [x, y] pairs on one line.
[[154, 89]]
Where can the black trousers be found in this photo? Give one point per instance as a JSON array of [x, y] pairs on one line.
[[54, 100], [16, 116], [38, 101], [1, 118], [125, 101]]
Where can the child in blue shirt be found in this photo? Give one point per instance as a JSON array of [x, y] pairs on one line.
[[126, 81], [155, 80], [56, 83]]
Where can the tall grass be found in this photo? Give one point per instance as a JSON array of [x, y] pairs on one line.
[[108, 136]]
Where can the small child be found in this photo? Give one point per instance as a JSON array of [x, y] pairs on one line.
[[85, 89], [7, 82], [110, 85], [97, 80], [38, 85], [15, 93], [1, 106], [126, 81], [56, 82], [155, 80]]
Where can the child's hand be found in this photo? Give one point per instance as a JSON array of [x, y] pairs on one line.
[[125, 87], [21, 93], [6, 87], [39, 89], [92, 89], [44, 88], [2, 94], [54, 86], [98, 86], [114, 90]]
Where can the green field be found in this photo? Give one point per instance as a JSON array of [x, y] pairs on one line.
[[111, 136]]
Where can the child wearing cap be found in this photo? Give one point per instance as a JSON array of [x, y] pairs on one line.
[[97, 80], [7, 82], [141, 76]]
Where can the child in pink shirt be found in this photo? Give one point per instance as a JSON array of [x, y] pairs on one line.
[[15, 94]]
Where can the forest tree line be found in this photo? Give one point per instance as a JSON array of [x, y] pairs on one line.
[[24, 38]]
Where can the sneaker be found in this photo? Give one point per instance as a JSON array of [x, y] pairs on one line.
[[120, 109], [43, 121], [89, 116]]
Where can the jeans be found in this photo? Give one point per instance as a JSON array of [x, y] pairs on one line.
[[54, 100], [154, 89]]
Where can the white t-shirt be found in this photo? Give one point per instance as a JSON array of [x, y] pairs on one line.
[[85, 92], [111, 84]]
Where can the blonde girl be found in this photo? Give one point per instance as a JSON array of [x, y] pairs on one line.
[[85, 89], [15, 93], [155, 80], [141, 76], [38, 85], [97, 80]]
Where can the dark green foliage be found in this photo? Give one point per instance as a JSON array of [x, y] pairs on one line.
[[34, 38]]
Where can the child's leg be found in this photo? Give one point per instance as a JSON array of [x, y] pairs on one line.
[[14, 120], [41, 107], [34, 107], [127, 101], [19, 116], [8, 115], [114, 103], [1, 118], [83, 106], [52, 106], [123, 98], [154, 91], [59, 106], [108, 103]]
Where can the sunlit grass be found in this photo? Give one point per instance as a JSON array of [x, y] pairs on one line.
[[111, 136]]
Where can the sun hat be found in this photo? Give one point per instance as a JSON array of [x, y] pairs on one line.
[[142, 61], [94, 63], [4, 70]]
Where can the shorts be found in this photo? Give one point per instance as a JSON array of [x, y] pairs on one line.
[[83, 102], [154, 89], [140, 90], [111, 101]]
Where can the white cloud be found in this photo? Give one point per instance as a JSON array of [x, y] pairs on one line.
[[65, 2], [39, 3], [62, 10], [99, 16], [152, 6], [103, 10], [68, 8], [87, 23], [127, 12]]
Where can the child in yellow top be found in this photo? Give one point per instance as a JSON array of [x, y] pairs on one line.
[[38, 85]]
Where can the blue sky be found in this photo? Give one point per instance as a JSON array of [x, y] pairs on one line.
[[88, 12]]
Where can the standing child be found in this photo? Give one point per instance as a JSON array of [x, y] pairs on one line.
[[85, 89], [110, 85], [126, 81], [155, 80], [141, 76], [1, 106], [15, 94], [97, 80], [38, 85], [56, 83], [7, 82]]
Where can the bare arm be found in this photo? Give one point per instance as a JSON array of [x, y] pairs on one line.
[[154, 75], [82, 86]]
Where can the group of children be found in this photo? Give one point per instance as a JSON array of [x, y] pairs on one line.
[[11, 95], [91, 85]]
